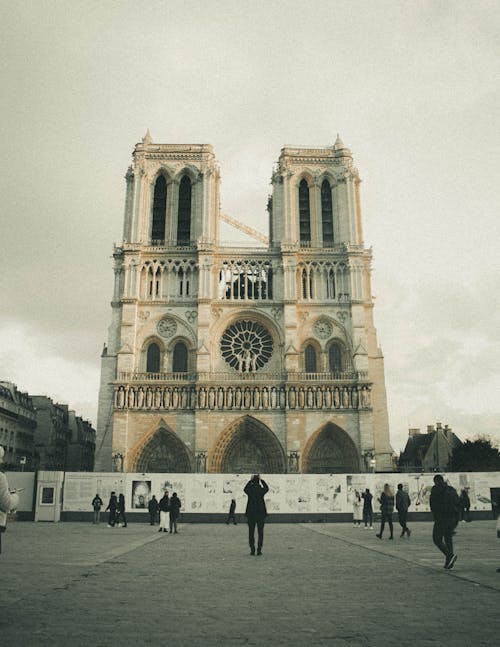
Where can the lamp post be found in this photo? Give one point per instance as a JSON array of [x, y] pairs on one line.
[[372, 465]]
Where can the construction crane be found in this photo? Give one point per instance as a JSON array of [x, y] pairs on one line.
[[250, 231]]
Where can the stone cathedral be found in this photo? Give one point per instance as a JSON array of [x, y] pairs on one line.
[[242, 359]]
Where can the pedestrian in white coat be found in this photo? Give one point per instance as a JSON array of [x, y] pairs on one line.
[[8, 498]]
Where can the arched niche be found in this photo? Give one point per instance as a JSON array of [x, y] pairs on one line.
[[330, 451], [162, 452], [248, 447]]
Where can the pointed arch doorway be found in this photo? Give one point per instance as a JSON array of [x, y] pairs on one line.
[[330, 450], [248, 447], [163, 452]]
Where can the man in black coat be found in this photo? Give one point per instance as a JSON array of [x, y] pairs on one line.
[[444, 505], [256, 512]]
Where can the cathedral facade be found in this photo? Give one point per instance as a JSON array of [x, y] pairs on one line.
[[227, 359]]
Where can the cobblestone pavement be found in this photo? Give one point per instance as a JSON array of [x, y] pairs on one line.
[[316, 584]]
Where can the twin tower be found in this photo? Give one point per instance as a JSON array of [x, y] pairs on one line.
[[241, 359]]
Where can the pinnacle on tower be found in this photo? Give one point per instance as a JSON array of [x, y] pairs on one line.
[[338, 143], [147, 139]]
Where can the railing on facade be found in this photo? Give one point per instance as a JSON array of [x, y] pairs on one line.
[[139, 376], [257, 377]]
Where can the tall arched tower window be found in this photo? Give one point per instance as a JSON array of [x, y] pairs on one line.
[[159, 210], [327, 212], [335, 358], [180, 358], [310, 359], [184, 213], [153, 359], [304, 213]]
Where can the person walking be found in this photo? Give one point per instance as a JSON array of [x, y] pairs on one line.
[[386, 510], [357, 509], [164, 505], [256, 512], [367, 497], [153, 510], [175, 506], [444, 503], [112, 507], [97, 504], [464, 505], [232, 510], [120, 517], [9, 500], [402, 505]]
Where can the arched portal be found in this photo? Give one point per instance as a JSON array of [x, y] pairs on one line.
[[248, 447], [163, 452], [330, 451]]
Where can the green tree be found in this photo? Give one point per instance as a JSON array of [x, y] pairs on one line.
[[475, 456]]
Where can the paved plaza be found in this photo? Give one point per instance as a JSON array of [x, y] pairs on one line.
[[316, 584]]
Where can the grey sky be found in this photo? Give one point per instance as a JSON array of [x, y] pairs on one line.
[[413, 90]]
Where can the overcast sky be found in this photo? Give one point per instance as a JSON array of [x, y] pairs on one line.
[[412, 88]]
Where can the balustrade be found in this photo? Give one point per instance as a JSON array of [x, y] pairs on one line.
[[239, 397]]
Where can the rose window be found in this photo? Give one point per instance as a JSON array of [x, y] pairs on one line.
[[246, 346]]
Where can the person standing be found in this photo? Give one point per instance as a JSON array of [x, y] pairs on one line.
[[112, 507], [357, 509], [386, 510], [402, 505], [97, 504], [153, 510], [367, 509], [121, 511], [232, 510], [175, 506], [444, 503], [9, 500], [164, 505], [256, 512], [464, 505]]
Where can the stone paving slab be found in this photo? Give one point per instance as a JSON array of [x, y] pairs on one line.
[[316, 584]]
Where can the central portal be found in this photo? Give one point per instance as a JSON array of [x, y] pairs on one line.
[[248, 447]]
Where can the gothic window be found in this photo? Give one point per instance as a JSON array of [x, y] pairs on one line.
[[307, 284], [335, 358], [184, 213], [327, 213], [182, 287], [159, 210], [330, 285], [180, 357], [310, 359], [246, 346], [153, 359], [304, 213]]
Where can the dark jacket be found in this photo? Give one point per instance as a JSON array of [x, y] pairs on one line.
[[113, 503], [97, 503], [256, 506], [464, 500], [386, 503], [367, 501], [175, 506], [153, 506], [444, 503], [232, 507], [121, 503], [402, 501], [164, 503]]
